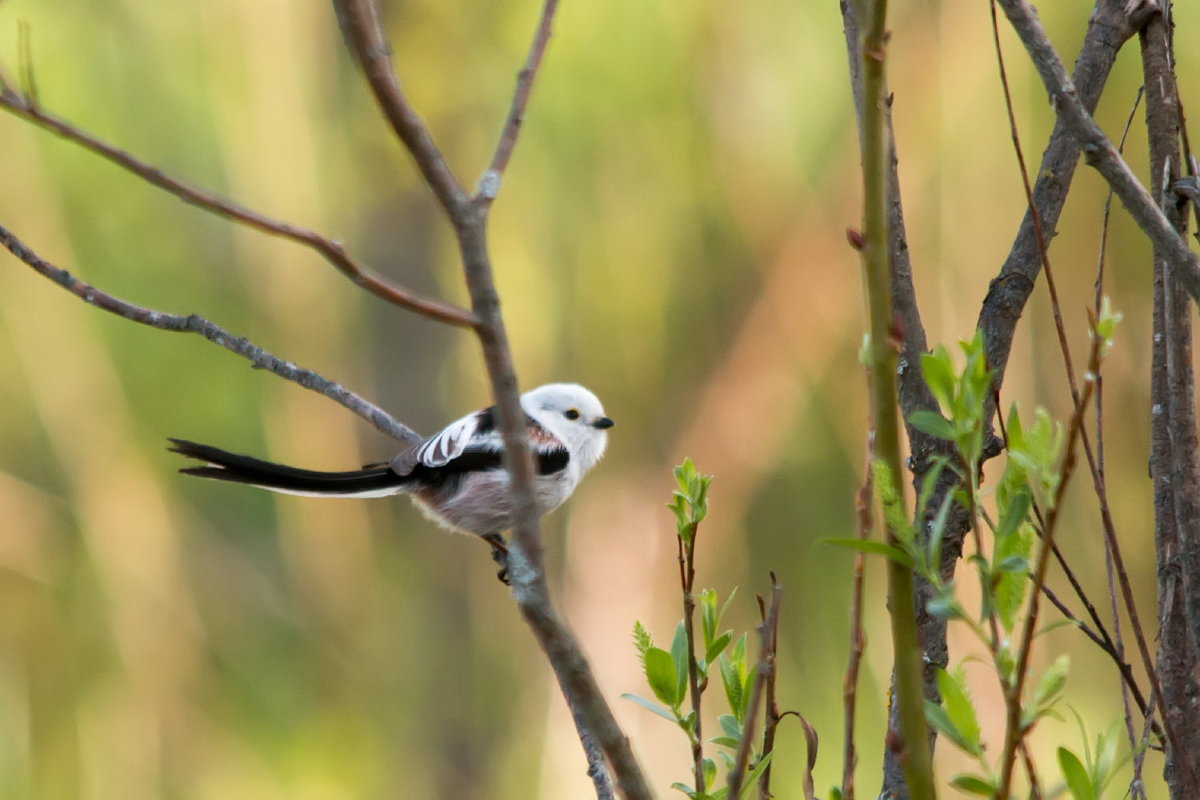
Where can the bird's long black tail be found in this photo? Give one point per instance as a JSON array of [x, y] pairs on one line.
[[373, 481]]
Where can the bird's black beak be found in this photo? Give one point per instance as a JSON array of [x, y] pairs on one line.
[[602, 423]]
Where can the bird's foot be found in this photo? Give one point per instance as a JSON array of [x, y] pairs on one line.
[[499, 555]]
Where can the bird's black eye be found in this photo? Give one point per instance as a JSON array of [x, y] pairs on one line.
[[571, 413]]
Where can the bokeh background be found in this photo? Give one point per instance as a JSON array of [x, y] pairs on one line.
[[670, 233]]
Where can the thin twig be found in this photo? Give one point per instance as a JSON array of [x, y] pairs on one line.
[[858, 639], [771, 706], [331, 250], [687, 579], [489, 183], [193, 323], [742, 760], [1114, 603], [1015, 729]]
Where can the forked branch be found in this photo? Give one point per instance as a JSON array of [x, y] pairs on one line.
[[194, 323], [333, 251]]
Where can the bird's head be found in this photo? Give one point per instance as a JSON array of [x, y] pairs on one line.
[[574, 415]]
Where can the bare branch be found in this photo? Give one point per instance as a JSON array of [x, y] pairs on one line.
[[332, 251], [193, 323], [360, 25], [764, 671], [597, 768], [1110, 25], [1098, 151], [361, 28], [1174, 461], [858, 639], [489, 183]]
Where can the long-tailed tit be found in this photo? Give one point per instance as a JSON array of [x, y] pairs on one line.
[[457, 476]]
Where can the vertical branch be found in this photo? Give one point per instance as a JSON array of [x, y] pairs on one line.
[[766, 657], [910, 741], [1098, 151], [687, 579], [468, 216], [858, 641], [1118, 643], [1173, 458]]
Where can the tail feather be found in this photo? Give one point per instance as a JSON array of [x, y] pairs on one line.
[[372, 481]]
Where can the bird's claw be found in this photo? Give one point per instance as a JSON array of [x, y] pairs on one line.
[[499, 555]]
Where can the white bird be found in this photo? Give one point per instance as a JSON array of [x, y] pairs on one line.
[[457, 476]]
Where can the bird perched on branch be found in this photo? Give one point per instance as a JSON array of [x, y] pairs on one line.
[[457, 476]]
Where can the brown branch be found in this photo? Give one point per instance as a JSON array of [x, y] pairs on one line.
[[489, 183], [360, 25], [1110, 25], [1173, 458], [1064, 348], [359, 20], [765, 657], [771, 705], [193, 323], [1118, 642], [24, 107], [597, 768], [912, 395], [858, 639], [1098, 151], [687, 580]]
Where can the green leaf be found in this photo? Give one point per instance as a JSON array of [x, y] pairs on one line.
[[936, 716], [1106, 325], [726, 741], [708, 615], [651, 706], [959, 709], [733, 668], [892, 501], [936, 465], [731, 726], [871, 547], [748, 690], [751, 779], [680, 655], [683, 787], [932, 423], [973, 784], [1014, 511], [642, 641], [717, 646], [710, 772], [1052, 682], [1012, 557], [661, 675], [939, 375], [1078, 782]]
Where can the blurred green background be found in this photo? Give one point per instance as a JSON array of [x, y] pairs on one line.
[[670, 233]]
